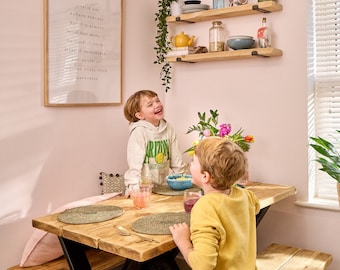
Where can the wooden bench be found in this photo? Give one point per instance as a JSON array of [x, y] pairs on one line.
[[284, 257], [99, 260]]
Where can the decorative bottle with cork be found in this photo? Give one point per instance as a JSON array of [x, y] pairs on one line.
[[216, 37], [264, 35]]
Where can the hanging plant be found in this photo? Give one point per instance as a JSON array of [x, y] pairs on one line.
[[163, 44]]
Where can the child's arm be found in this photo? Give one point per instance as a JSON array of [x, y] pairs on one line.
[[181, 236]]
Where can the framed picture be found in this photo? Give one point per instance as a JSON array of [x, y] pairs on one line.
[[82, 52]]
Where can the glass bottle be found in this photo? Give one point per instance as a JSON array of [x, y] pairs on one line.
[[216, 37], [264, 35]]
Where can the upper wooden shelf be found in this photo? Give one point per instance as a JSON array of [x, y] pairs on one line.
[[222, 13], [226, 55]]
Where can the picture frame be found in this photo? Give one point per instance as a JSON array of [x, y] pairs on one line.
[[82, 52]]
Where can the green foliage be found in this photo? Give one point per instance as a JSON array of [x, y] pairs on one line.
[[329, 157], [208, 126], [162, 41], [205, 124]]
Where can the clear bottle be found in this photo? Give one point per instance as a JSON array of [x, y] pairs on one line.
[[216, 37], [264, 35]]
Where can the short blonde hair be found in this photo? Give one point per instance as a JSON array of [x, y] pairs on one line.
[[224, 160], [132, 105]]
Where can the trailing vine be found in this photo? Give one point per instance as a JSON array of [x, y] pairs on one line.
[[163, 44]]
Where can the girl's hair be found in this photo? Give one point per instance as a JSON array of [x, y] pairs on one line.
[[224, 160], [132, 105]]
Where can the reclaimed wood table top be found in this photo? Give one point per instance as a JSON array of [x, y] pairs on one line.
[[104, 236]]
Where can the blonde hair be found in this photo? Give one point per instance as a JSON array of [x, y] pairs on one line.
[[224, 160], [132, 105]]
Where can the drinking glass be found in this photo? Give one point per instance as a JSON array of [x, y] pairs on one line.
[[146, 180], [190, 198], [141, 196]]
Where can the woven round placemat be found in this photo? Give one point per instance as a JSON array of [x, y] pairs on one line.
[[90, 214], [166, 190], [159, 223]]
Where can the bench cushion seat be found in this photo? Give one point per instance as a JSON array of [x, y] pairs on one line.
[[99, 260]]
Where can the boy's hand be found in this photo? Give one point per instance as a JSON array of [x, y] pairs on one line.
[[179, 232]]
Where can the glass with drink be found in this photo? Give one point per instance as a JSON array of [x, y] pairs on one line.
[[141, 196], [190, 198]]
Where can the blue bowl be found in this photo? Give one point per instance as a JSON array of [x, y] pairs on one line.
[[179, 181], [241, 42]]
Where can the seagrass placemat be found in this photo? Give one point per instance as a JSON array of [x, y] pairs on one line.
[[166, 190], [90, 214], [159, 223]]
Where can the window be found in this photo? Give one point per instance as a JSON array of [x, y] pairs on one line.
[[324, 86]]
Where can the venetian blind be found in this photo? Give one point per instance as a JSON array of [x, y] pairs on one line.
[[326, 81]]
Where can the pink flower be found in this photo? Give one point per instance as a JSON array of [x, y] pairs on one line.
[[206, 133], [225, 129]]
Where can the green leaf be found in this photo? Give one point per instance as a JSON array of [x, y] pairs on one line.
[[328, 156]]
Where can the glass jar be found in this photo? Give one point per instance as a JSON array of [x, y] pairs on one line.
[[216, 37]]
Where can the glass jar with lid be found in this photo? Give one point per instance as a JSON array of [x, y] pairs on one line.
[[216, 37]]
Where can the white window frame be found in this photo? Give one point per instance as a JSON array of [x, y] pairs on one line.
[[324, 92]]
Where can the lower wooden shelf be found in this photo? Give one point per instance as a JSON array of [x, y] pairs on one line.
[[226, 55]]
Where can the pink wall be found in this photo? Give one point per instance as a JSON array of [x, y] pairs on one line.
[[50, 156]]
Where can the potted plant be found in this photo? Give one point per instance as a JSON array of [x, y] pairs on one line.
[[329, 158], [163, 44]]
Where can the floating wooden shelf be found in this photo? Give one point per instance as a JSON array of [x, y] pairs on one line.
[[226, 55], [222, 13]]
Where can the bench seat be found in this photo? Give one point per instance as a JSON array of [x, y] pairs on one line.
[[99, 260], [284, 257]]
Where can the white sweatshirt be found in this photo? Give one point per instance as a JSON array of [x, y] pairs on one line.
[[152, 150]]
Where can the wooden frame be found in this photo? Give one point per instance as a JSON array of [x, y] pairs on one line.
[[82, 52]]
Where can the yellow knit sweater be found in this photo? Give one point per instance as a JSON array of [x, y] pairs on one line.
[[223, 231]]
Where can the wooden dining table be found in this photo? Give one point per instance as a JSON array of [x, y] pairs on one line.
[[104, 235]]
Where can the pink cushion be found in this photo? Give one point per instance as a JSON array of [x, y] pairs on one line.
[[43, 247]]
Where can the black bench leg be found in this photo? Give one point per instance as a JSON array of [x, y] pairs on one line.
[[75, 254]]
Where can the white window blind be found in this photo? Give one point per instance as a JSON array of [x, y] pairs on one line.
[[324, 74]]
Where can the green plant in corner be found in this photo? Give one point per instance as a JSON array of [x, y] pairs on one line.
[[329, 157], [163, 44]]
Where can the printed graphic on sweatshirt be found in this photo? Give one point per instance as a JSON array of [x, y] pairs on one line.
[[157, 152]]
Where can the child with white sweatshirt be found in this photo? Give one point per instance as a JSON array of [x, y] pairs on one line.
[[152, 146]]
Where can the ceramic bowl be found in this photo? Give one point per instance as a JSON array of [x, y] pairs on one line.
[[240, 42], [179, 181]]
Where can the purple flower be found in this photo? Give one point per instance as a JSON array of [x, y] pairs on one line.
[[225, 129]]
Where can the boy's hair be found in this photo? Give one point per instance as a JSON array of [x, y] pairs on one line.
[[224, 160], [132, 105]]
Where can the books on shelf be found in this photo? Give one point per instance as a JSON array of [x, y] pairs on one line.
[[176, 51]]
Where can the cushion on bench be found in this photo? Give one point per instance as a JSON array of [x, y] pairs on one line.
[[284, 257], [43, 247], [99, 260]]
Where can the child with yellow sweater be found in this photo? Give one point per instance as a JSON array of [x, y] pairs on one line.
[[222, 233]]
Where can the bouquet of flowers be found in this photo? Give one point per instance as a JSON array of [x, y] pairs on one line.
[[208, 127]]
